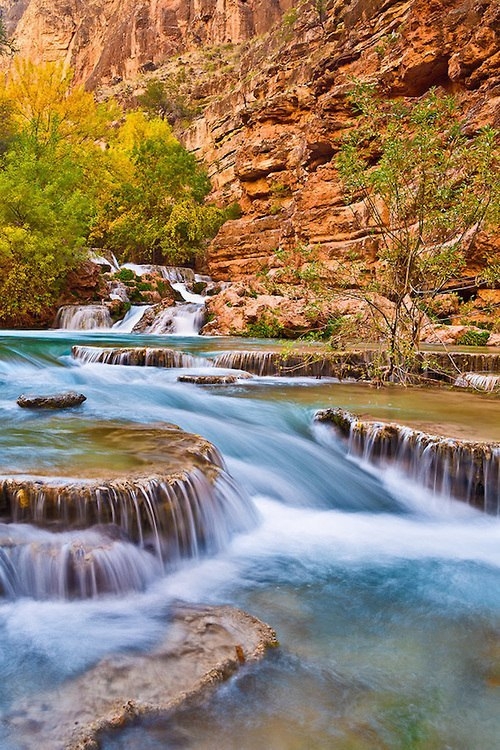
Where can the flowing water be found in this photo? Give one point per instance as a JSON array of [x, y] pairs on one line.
[[385, 598]]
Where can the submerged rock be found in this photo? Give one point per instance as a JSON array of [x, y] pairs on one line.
[[203, 646], [56, 401]]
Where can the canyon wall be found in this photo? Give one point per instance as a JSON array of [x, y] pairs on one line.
[[105, 40], [273, 138], [269, 81]]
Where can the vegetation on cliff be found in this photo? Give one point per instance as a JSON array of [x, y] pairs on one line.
[[7, 45], [426, 188], [74, 173]]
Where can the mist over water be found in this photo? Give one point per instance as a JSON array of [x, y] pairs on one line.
[[386, 600]]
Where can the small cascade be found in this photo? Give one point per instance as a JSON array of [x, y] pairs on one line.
[[83, 317], [196, 299], [445, 365], [352, 365], [174, 274], [71, 565], [172, 516], [180, 320], [296, 364], [139, 357], [133, 316], [465, 470], [480, 381]]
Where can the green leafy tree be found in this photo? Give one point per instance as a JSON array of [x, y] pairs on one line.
[[50, 177], [165, 99], [44, 218], [424, 187], [157, 210]]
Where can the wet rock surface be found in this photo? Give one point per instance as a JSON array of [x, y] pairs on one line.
[[56, 401], [209, 379], [202, 647]]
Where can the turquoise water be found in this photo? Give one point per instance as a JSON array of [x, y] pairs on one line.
[[386, 601]]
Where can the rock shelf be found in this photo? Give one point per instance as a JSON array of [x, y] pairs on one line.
[[203, 646], [164, 489], [462, 469]]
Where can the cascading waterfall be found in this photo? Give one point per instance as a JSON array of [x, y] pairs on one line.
[[71, 565], [383, 597], [299, 364], [131, 319], [174, 500], [174, 274], [465, 470], [180, 320], [480, 381], [183, 319], [171, 516], [83, 317], [136, 356]]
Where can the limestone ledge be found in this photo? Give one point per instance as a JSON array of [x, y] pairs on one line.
[[203, 646], [463, 469]]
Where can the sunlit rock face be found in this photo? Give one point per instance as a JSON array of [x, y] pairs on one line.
[[106, 39], [274, 136]]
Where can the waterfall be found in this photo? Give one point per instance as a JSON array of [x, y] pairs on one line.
[[72, 564], [142, 357], [133, 316], [175, 274], [298, 364], [465, 470], [181, 320], [480, 381], [173, 516], [83, 317]]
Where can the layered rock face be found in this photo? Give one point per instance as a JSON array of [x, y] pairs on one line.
[[108, 39], [274, 137], [274, 108]]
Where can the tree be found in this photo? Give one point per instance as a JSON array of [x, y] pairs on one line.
[[50, 175], [157, 211], [426, 187], [165, 99]]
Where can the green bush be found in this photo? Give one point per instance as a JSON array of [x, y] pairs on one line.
[[125, 274], [473, 338], [266, 327]]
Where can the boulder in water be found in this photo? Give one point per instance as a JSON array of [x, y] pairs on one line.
[[56, 401], [208, 379]]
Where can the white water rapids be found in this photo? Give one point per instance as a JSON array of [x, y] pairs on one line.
[[386, 600]]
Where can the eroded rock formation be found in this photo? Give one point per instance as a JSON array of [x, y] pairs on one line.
[[202, 647], [104, 40], [165, 489], [462, 469], [274, 137]]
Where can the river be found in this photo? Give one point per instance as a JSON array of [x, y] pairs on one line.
[[385, 599]]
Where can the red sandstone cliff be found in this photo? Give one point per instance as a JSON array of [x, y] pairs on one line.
[[275, 135], [108, 39], [274, 106]]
